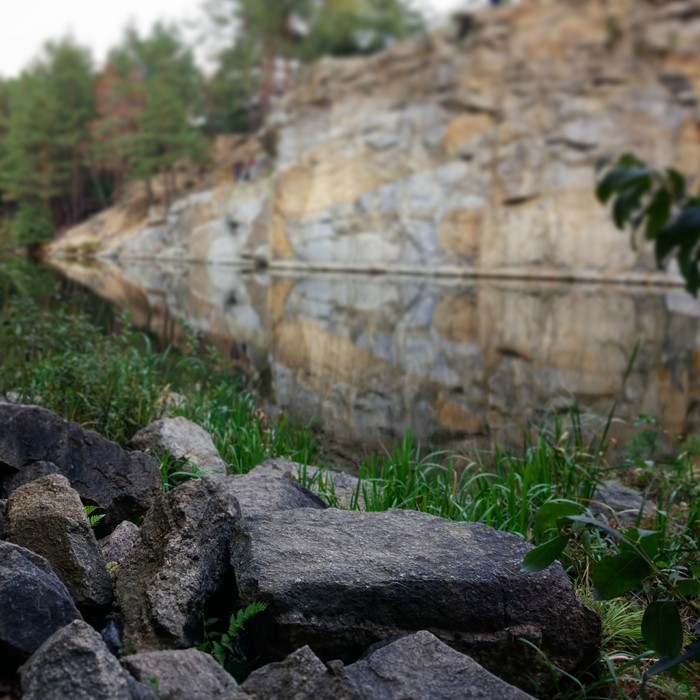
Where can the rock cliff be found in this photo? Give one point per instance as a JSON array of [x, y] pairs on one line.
[[462, 155]]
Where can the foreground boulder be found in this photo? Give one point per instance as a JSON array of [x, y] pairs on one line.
[[341, 581], [122, 484], [47, 517], [75, 663], [181, 439], [418, 666], [33, 604], [184, 674], [177, 564]]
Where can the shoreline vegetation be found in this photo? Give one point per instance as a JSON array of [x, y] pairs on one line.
[[116, 383]]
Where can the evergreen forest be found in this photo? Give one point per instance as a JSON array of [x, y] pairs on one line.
[[73, 133]]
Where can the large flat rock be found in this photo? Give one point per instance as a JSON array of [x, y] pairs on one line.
[[340, 581]]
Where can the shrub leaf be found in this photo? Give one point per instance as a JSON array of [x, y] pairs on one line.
[[662, 628], [542, 556], [615, 575]]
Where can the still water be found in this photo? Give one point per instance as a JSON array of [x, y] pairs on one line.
[[365, 357]]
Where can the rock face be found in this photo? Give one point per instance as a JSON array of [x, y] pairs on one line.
[[47, 517], [123, 484], [177, 564], [33, 603], [185, 674], [478, 154], [418, 666], [181, 439], [75, 663], [340, 581], [471, 154]]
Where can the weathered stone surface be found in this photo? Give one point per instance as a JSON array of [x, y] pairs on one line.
[[290, 679], [340, 581], [46, 516], [182, 439], [418, 666], [117, 545], [422, 667], [183, 674], [258, 493], [616, 500], [177, 564], [75, 663], [3, 511], [33, 603], [123, 484], [31, 472], [376, 159], [335, 488]]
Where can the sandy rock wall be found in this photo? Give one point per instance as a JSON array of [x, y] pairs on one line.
[[479, 153]]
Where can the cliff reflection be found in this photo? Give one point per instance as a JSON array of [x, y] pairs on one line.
[[365, 357]]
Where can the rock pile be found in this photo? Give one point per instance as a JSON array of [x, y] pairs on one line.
[[359, 605]]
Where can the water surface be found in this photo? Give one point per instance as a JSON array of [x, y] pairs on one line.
[[365, 357]]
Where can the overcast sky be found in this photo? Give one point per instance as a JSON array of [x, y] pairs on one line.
[[27, 24]]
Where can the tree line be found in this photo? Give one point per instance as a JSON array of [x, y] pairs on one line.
[[73, 133]]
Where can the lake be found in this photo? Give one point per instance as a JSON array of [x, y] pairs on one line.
[[364, 357]]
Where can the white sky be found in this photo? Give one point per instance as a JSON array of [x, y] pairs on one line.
[[27, 24]]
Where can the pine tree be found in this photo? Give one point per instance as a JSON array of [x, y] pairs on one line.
[[43, 159], [148, 95]]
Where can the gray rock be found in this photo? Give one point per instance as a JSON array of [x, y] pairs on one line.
[[290, 679], [184, 674], [33, 471], [177, 564], [3, 511], [334, 488], [418, 666], [33, 603], [46, 516], [123, 484], [341, 581], [117, 545], [618, 501], [182, 439], [75, 663], [259, 494], [421, 667]]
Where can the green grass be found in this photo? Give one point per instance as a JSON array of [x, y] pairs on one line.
[[117, 383], [499, 488]]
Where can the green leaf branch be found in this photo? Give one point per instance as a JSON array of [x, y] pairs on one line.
[[660, 203], [638, 561]]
